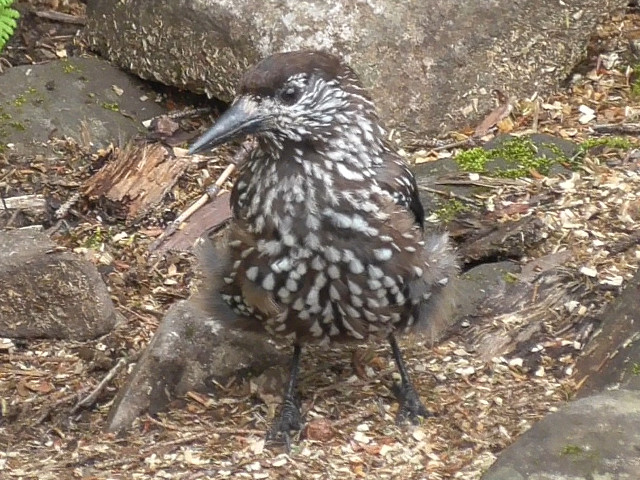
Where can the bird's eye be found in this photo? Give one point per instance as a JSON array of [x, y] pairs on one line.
[[289, 95]]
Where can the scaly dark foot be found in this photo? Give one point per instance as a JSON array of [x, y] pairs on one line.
[[287, 420], [289, 417], [411, 407]]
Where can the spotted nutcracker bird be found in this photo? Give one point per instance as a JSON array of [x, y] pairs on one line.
[[327, 242]]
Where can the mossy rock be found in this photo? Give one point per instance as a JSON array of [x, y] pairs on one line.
[[516, 157]]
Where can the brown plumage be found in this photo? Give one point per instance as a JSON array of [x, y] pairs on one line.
[[327, 241]]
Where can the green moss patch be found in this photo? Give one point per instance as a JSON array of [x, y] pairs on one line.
[[518, 155], [450, 210]]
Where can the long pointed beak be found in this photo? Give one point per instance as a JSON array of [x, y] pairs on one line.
[[241, 118]]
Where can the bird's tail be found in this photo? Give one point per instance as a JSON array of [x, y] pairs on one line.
[[438, 287], [211, 268]]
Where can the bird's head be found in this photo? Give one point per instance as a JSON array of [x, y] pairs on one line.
[[303, 96]]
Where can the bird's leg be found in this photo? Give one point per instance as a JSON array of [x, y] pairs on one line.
[[289, 417], [410, 405]]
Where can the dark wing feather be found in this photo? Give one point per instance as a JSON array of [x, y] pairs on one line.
[[396, 178]]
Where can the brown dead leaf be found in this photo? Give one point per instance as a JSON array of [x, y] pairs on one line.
[[151, 232], [320, 430], [494, 118], [23, 388], [42, 386], [506, 125], [535, 174], [165, 126], [201, 399], [371, 449], [378, 363], [358, 363], [513, 209], [358, 470], [120, 265]]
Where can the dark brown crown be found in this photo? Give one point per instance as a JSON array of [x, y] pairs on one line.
[[266, 77]]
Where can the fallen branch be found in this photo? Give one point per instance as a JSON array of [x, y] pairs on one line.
[[177, 114], [618, 128], [95, 393], [16, 357], [212, 192], [32, 204], [471, 142], [449, 194], [61, 17]]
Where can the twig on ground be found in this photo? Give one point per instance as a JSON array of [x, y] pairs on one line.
[[536, 115], [238, 159], [619, 128], [61, 17], [462, 143], [448, 194], [95, 393]]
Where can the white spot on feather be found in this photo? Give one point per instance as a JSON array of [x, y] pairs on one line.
[[268, 282], [382, 254], [252, 273]]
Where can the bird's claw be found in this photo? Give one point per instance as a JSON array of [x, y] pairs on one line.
[[411, 407], [288, 419]]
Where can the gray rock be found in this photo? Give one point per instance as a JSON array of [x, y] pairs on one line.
[[547, 147], [86, 99], [597, 437], [46, 293], [481, 283], [429, 174], [612, 358], [427, 62], [187, 349]]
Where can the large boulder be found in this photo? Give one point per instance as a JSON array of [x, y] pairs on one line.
[[86, 99], [597, 436], [592, 438], [46, 293], [612, 358], [430, 64]]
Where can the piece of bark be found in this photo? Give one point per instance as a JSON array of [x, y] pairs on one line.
[[30, 204], [618, 128], [209, 217], [61, 17], [506, 240], [134, 180]]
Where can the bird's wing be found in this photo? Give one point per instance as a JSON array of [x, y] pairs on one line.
[[398, 180]]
